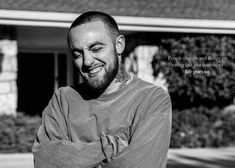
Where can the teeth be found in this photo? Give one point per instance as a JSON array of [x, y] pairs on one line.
[[95, 70]]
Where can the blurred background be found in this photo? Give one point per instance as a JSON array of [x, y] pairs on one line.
[[186, 47]]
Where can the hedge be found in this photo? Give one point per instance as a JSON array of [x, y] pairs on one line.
[[195, 127], [215, 55], [198, 99], [17, 133], [203, 127]]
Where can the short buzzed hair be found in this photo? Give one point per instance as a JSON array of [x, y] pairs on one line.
[[93, 16]]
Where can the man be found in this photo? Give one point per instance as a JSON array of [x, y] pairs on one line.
[[112, 119]]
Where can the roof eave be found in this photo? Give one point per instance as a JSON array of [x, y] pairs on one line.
[[126, 23]]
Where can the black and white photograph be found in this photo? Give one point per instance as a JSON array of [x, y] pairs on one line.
[[117, 83]]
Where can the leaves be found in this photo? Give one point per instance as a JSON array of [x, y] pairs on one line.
[[17, 133], [202, 127], [198, 99], [211, 61]]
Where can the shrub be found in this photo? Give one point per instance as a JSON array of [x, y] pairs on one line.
[[215, 55], [195, 127], [17, 133], [202, 127], [198, 99]]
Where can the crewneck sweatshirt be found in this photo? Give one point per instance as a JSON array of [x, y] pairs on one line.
[[129, 128]]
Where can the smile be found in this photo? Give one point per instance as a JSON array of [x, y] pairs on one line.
[[95, 71]]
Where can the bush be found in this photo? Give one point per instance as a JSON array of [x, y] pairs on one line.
[[215, 55], [198, 99], [202, 127], [195, 127], [17, 133]]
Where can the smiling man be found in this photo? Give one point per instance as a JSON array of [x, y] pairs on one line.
[[112, 119], [96, 49]]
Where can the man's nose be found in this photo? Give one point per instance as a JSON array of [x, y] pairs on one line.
[[88, 59]]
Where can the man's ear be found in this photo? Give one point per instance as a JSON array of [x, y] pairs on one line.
[[120, 44]]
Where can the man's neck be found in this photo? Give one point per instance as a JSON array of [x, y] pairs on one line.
[[122, 79]]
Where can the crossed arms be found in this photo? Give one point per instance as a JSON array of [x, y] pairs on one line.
[[146, 148]]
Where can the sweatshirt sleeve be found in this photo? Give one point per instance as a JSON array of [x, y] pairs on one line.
[[52, 147], [150, 135]]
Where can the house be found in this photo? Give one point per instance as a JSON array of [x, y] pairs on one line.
[[34, 58]]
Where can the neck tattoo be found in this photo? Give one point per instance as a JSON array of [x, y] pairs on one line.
[[122, 77]]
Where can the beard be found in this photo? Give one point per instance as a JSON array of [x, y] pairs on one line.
[[99, 85]]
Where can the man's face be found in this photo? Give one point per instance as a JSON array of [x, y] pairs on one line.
[[94, 54]]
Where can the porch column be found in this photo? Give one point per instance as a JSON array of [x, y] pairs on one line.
[[139, 62], [8, 76]]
